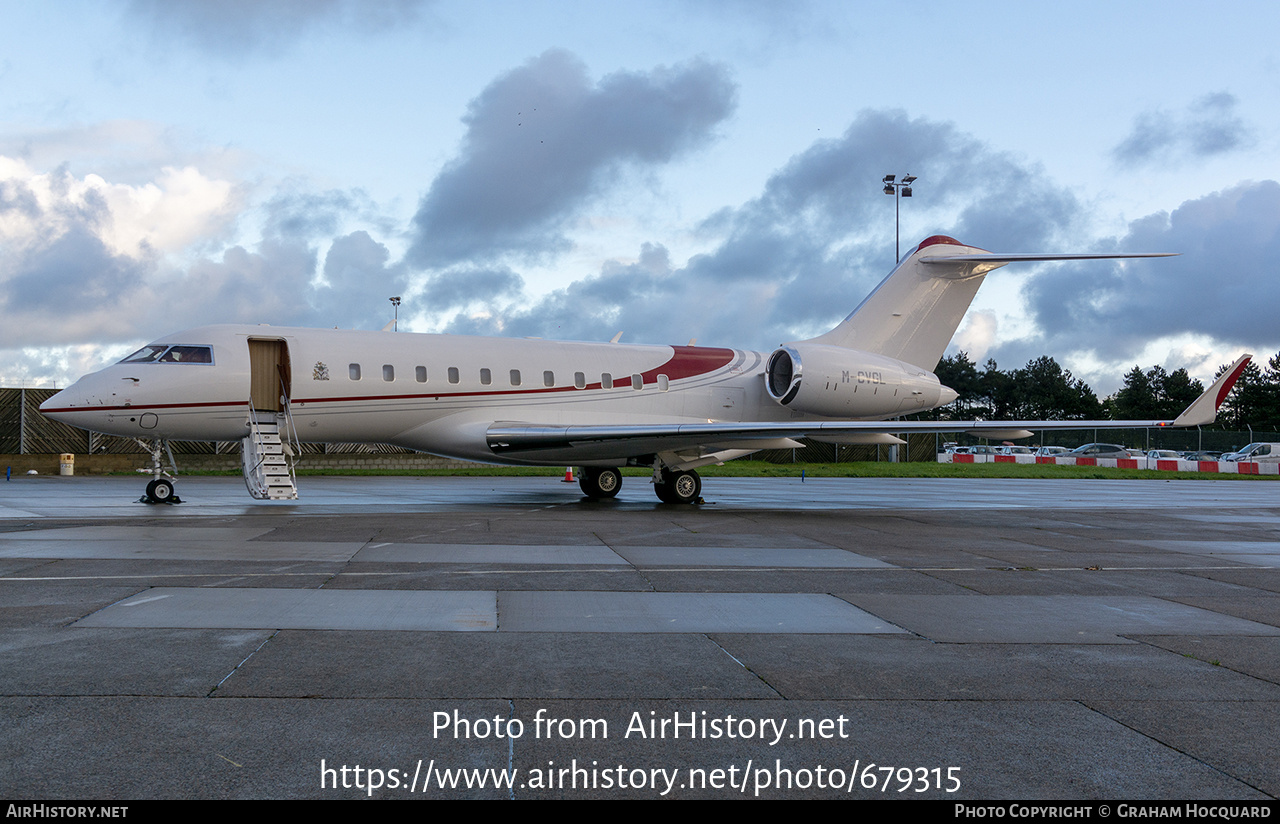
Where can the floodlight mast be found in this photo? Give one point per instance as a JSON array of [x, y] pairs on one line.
[[899, 190]]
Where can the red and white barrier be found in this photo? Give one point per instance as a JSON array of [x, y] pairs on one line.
[[1229, 467]]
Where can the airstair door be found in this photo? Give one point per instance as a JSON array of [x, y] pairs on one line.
[[269, 375], [266, 454]]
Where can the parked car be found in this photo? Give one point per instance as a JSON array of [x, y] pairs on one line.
[[1260, 452], [1098, 450], [1163, 455], [1203, 455], [1014, 450], [1051, 451]]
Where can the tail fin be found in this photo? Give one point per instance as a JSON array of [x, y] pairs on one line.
[[913, 313]]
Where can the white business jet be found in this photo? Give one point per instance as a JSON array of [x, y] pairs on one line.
[[599, 406]]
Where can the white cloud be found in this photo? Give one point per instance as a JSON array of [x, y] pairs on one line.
[[180, 207], [977, 336]]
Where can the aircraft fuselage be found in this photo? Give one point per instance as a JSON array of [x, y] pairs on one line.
[[441, 393]]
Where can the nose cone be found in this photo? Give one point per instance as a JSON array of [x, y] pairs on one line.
[[946, 395], [57, 406], [75, 404]]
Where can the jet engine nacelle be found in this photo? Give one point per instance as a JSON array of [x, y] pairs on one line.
[[844, 383]]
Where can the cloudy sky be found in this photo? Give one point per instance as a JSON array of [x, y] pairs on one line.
[[670, 170]]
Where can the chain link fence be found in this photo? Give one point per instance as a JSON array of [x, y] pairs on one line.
[[24, 431]]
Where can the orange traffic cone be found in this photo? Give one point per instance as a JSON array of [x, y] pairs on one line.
[[568, 474]]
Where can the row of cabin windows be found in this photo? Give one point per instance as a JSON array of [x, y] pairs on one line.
[[486, 377]]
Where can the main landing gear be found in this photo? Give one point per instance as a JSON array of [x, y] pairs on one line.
[[600, 483], [679, 486]]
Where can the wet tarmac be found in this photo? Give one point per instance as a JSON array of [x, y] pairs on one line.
[[985, 639]]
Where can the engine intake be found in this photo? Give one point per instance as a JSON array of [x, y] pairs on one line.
[[784, 375], [835, 382]]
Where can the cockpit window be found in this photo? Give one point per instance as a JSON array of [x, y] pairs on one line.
[[166, 353], [146, 354], [187, 354]]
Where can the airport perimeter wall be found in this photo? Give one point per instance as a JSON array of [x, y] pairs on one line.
[[1158, 464]]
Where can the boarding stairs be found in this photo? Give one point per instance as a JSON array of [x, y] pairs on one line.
[[267, 456]]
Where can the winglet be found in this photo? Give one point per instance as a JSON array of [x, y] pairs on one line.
[[1205, 408]]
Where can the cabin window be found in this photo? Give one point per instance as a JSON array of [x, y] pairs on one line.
[[637, 382], [486, 377], [663, 383], [548, 378], [420, 372], [388, 372], [353, 371], [453, 374], [580, 380], [606, 380], [515, 377]]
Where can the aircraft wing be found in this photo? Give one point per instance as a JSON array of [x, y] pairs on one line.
[[513, 438]]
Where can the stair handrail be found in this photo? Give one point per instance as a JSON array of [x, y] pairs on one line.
[[291, 433], [255, 439]]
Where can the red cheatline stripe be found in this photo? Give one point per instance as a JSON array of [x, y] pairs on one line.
[[145, 406], [685, 362]]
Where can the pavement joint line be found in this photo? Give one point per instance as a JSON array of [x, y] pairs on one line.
[[511, 751], [1139, 638], [236, 668], [1184, 753], [615, 569], [757, 675]]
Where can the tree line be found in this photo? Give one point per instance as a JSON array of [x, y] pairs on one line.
[[1043, 390]]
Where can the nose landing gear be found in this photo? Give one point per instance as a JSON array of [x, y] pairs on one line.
[[160, 490]]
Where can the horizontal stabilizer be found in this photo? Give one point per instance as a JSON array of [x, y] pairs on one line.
[[988, 257], [914, 312]]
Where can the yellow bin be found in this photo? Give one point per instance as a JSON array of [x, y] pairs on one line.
[[67, 465]]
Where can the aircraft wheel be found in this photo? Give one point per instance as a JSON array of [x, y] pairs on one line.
[[680, 487], [160, 491], [600, 483]]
